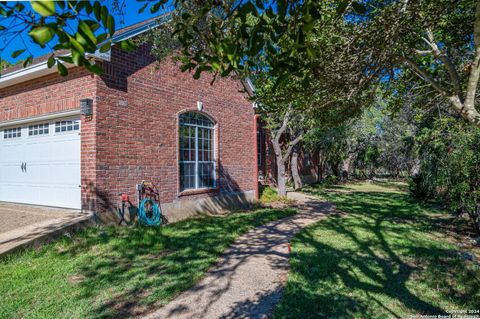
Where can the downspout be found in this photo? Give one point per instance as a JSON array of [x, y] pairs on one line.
[[255, 143]]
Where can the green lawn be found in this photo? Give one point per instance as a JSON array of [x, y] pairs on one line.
[[118, 272], [387, 257]]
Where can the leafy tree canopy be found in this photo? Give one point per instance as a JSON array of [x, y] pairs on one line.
[[72, 29]]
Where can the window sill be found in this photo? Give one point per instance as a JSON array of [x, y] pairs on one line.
[[198, 191]]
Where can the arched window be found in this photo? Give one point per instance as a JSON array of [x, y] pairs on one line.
[[197, 159]]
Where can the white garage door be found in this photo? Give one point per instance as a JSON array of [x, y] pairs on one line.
[[40, 163]]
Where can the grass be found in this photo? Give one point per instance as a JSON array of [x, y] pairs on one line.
[[386, 256], [269, 195], [118, 272]]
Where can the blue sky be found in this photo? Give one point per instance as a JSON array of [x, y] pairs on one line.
[[131, 16]]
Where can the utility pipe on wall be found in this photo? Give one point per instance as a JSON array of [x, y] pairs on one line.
[[255, 144]]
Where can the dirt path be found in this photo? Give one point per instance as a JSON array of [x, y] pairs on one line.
[[248, 279]]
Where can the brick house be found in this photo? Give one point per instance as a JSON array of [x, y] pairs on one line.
[[150, 121]]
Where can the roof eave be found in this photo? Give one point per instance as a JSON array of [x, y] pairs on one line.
[[29, 73], [41, 69]]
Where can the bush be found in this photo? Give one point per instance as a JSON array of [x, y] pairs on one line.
[[330, 180], [417, 188], [450, 167], [269, 195]]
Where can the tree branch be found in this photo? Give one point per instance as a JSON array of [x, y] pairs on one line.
[[292, 144], [286, 119], [452, 71], [475, 69], [425, 76], [423, 52]]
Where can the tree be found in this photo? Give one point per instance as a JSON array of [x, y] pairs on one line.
[[436, 42], [225, 37], [449, 156], [237, 30], [74, 30], [283, 148], [297, 180]]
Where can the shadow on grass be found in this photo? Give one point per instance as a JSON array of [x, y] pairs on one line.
[[377, 262], [396, 185], [127, 272]]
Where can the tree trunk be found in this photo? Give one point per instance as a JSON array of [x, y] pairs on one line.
[[281, 178], [297, 181], [320, 167], [415, 169], [336, 169], [283, 155], [347, 166]]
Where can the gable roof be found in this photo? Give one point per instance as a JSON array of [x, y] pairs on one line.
[[17, 73]]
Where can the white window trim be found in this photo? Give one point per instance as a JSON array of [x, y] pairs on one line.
[[39, 135], [196, 162], [17, 129], [73, 130]]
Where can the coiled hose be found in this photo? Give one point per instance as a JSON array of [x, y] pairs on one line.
[[150, 216]]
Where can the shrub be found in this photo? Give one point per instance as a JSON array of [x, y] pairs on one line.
[[269, 195], [450, 167], [330, 180]]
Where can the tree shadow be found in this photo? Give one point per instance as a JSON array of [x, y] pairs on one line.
[[268, 241], [128, 271], [231, 196], [396, 185], [376, 256]]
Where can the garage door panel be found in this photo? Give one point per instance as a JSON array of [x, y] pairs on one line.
[[12, 191], [52, 173], [60, 174], [12, 154], [55, 149]]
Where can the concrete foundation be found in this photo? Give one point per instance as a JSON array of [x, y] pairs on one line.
[[215, 205], [185, 208]]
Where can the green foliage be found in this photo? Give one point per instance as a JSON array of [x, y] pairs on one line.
[[270, 195], [4, 64], [48, 23], [330, 180], [44, 8], [429, 48], [386, 257], [375, 141], [450, 166], [282, 38], [118, 272]]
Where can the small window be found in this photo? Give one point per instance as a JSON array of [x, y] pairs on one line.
[[38, 129], [12, 132], [66, 126]]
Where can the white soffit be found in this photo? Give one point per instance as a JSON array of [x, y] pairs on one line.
[[41, 69], [28, 73], [40, 118]]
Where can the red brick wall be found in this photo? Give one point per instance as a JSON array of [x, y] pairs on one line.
[[47, 94], [137, 127], [133, 134], [53, 94]]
